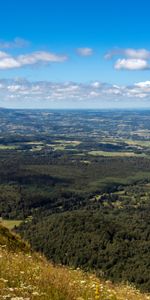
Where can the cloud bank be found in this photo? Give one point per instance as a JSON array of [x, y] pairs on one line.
[[22, 90]]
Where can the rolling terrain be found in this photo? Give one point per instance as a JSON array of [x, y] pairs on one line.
[[76, 185]]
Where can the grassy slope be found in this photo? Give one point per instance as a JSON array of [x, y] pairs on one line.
[[10, 224], [27, 276]]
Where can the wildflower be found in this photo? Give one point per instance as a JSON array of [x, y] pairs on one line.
[[11, 289], [35, 293], [3, 280], [17, 298]]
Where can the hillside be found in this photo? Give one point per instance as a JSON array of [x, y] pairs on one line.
[[29, 276], [76, 184], [113, 243]]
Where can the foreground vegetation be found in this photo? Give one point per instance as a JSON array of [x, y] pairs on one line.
[[28, 275], [114, 243]]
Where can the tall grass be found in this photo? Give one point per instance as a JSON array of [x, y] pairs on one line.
[[25, 275]]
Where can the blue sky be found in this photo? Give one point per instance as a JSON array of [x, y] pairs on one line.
[[74, 54]]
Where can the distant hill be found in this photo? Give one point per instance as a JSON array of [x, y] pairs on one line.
[[28, 275], [3, 108]]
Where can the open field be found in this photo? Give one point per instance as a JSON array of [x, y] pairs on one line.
[[114, 154], [3, 147], [66, 142], [133, 142]]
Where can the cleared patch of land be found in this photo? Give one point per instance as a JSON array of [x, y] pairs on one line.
[[72, 143], [62, 145], [113, 154], [34, 143], [37, 148], [7, 147], [138, 143]]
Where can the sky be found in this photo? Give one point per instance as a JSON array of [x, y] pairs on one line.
[[75, 54]]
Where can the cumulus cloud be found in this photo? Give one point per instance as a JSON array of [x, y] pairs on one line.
[[16, 43], [23, 90], [135, 59], [144, 87], [8, 61], [85, 51], [96, 84], [132, 64]]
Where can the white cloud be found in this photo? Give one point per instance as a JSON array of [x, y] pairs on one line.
[[23, 90], [40, 56], [96, 84], [16, 43], [132, 64], [129, 52], [133, 59], [8, 61], [144, 84], [3, 55], [137, 53], [85, 51]]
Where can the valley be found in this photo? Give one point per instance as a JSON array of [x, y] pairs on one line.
[[76, 185]]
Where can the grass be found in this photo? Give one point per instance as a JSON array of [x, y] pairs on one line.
[[3, 147], [10, 224], [37, 148], [137, 143], [29, 276], [12, 242], [34, 143], [127, 141], [72, 143], [62, 145], [114, 154]]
